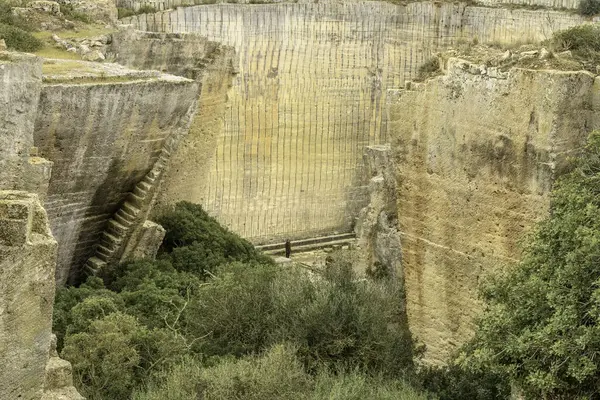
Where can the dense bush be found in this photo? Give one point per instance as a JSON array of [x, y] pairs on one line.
[[212, 297], [70, 13], [15, 30], [582, 40], [455, 382], [19, 39], [541, 326], [429, 68], [275, 375], [589, 7], [128, 12]]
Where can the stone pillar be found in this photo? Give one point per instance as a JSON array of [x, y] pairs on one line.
[[27, 263]]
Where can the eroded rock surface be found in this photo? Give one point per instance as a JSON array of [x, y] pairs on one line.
[[476, 156], [27, 263], [104, 127], [310, 95]]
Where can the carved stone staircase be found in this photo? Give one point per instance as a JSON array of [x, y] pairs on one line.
[[121, 225]]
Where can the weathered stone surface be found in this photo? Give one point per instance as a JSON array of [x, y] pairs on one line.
[[27, 262], [145, 242], [376, 232], [20, 85], [50, 7], [310, 95], [476, 157], [58, 383], [213, 66], [103, 136]]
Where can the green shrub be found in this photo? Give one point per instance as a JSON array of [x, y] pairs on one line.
[[146, 10], [125, 12], [212, 295], [589, 7], [429, 68], [355, 385], [70, 13], [233, 310], [8, 18], [197, 243], [342, 322], [453, 382], [128, 12], [275, 375], [542, 318], [583, 41], [104, 358], [19, 39]]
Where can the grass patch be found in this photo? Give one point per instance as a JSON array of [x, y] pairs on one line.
[[49, 51]]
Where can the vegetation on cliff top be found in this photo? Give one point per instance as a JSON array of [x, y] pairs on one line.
[[214, 318], [16, 31]]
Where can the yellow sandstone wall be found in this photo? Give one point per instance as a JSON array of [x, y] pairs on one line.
[[476, 153], [310, 94]]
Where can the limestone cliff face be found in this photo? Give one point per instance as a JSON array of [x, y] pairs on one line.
[[27, 261], [20, 85], [476, 152], [310, 95], [213, 66], [103, 136]]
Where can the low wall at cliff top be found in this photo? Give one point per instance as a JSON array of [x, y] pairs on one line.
[[310, 94]]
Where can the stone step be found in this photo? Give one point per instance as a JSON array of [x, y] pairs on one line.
[[116, 227], [153, 174], [149, 179], [136, 200], [302, 242], [124, 219], [130, 209], [139, 191], [104, 253], [93, 265], [58, 374], [310, 247], [165, 151], [111, 239], [144, 186]]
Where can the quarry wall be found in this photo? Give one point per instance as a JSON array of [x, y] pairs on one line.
[[213, 66], [476, 152], [103, 136], [20, 86], [310, 94], [161, 5]]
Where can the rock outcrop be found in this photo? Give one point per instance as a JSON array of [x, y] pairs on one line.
[[105, 128], [376, 227], [476, 152], [27, 262]]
